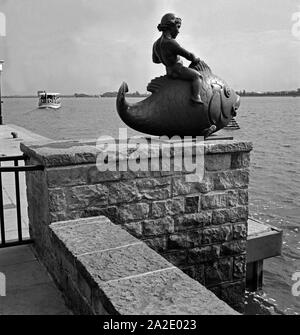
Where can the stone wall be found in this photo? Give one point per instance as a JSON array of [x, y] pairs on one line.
[[102, 269], [200, 227]]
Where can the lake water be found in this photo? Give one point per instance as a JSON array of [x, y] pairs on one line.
[[271, 123]]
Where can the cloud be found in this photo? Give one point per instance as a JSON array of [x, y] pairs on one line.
[[92, 46]]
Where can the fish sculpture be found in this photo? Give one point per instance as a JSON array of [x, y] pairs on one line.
[[169, 110]]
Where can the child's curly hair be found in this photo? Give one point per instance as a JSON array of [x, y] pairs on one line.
[[167, 21]]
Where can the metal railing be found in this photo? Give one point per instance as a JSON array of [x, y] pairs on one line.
[[16, 169]]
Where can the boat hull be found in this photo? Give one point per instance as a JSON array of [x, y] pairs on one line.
[[50, 105]]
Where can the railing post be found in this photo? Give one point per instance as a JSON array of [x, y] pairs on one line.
[[18, 203], [2, 230]]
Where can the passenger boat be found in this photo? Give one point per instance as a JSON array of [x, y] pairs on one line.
[[49, 100]]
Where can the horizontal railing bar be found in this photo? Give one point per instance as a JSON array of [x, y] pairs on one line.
[[12, 158], [16, 243], [21, 168]]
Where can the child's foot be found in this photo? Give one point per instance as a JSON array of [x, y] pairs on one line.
[[197, 100], [210, 130]]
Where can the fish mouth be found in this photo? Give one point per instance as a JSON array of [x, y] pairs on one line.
[[236, 105]]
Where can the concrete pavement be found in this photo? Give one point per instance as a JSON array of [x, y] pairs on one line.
[[28, 287]]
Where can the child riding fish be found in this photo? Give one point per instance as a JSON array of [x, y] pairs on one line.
[[167, 51]]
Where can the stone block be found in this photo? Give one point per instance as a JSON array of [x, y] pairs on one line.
[[67, 176], [203, 254], [94, 176], [239, 267], [167, 207], [235, 214], [131, 212], [122, 192], [154, 188], [217, 162], [240, 231], [217, 234], [177, 241], [120, 262], [194, 238], [243, 196], [191, 204], [215, 200], [93, 234], [81, 197], [181, 187], [158, 226], [230, 179], [128, 175], [227, 146], [194, 220], [218, 272], [167, 292], [240, 160], [57, 200], [233, 198], [233, 248]]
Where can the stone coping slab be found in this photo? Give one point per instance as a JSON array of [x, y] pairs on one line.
[[126, 275], [91, 235], [61, 153]]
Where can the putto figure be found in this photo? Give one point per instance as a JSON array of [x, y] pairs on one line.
[[187, 101], [167, 51]]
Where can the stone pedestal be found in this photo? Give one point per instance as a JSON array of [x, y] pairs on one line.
[[199, 226]]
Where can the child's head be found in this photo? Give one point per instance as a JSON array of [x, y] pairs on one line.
[[170, 22]]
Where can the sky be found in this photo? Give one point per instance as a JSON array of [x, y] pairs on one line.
[[91, 46]]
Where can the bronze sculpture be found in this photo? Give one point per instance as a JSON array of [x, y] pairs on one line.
[[186, 101]]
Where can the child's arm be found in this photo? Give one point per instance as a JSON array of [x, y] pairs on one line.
[[176, 48]]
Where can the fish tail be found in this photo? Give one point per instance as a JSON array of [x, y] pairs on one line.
[[122, 104]]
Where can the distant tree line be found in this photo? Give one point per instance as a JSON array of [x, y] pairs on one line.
[[113, 94], [293, 93]]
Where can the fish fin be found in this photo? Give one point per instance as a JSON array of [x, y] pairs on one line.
[[201, 67], [156, 83]]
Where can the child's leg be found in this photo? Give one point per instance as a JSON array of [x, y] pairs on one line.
[[194, 76]]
